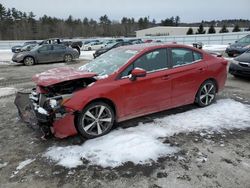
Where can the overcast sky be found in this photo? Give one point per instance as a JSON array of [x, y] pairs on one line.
[[188, 10]]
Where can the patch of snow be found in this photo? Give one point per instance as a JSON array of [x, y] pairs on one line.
[[24, 163], [87, 55], [3, 165], [5, 56], [142, 144], [100, 77], [214, 47], [42, 111], [53, 103], [5, 91]]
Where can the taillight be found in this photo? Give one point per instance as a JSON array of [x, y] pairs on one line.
[[224, 62]]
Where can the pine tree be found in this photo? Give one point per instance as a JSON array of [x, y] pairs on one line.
[[236, 28], [224, 29], [201, 30], [211, 29], [190, 31]]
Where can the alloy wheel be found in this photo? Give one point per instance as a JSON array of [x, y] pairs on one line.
[[68, 58], [207, 93], [97, 120], [29, 61]]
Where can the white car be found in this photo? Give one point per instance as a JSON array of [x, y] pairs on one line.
[[93, 46]]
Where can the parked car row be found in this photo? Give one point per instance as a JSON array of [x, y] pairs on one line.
[[31, 44], [97, 44]]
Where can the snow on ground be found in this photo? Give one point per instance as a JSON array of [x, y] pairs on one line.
[[87, 55], [5, 56], [214, 47], [24, 163], [4, 91], [142, 144], [21, 165]]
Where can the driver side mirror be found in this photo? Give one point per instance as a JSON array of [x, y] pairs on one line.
[[236, 41], [137, 72]]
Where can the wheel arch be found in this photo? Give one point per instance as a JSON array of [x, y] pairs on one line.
[[211, 79], [101, 99], [208, 79], [35, 60]]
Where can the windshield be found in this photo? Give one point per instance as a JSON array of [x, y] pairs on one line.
[[35, 48], [245, 39], [109, 62]]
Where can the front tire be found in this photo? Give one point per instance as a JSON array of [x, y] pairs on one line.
[[206, 93], [95, 120], [68, 58], [28, 61]]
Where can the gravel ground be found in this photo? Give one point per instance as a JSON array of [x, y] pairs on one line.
[[216, 160]]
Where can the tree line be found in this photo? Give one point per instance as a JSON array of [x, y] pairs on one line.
[[18, 25], [212, 30]]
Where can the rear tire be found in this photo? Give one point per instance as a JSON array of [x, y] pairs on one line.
[[206, 93], [28, 61], [95, 120]]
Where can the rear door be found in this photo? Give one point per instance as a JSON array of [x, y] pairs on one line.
[[58, 52], [187, 73]]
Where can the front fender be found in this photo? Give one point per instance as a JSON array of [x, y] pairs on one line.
[[81, 98]]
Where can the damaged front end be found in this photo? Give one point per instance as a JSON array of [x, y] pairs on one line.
[[43, 108]]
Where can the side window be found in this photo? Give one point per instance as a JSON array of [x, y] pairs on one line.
[[181, 56], [58, 47], [45, 48], [128, 70], [197, 56], [152, 61]]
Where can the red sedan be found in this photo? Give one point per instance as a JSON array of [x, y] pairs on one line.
[[123, 83]]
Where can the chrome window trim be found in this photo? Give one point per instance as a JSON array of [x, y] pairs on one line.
[[187, 63]]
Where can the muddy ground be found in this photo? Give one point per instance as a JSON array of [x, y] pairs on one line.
[[216, 160]]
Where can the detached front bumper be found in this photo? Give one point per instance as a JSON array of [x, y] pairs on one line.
[[58, 122]]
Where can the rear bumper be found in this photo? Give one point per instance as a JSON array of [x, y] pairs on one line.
[[238, 70], [60, 125]]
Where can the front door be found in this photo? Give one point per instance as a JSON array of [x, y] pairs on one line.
[[44, 53], [148, 94]]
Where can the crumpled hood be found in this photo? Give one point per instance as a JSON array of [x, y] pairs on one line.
[[58, 75]]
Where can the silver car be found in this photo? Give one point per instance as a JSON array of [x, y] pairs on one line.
[[46, 53]]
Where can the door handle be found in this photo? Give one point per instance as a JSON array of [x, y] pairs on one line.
[[165, 77], [201, 69]]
